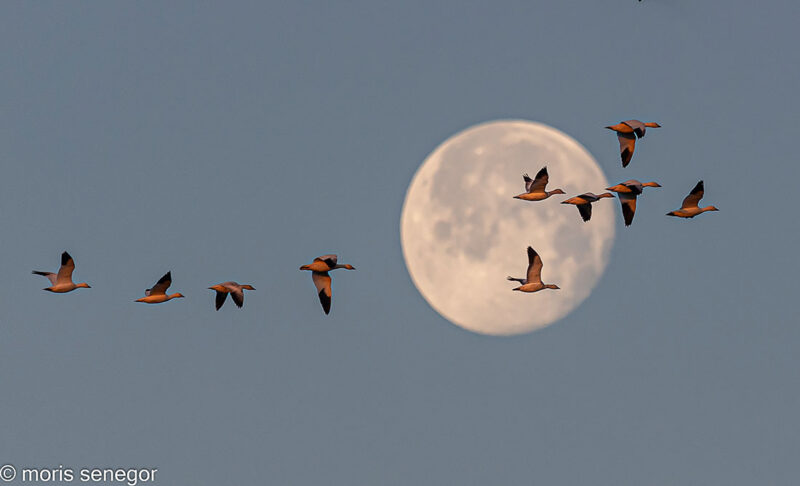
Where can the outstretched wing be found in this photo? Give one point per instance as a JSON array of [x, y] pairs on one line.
[[67, 267], [160, 288], [586, 211], [628, 203], [322, 281], [238, 297], [50, 276], [528, 182], [539, 182], [694, 197], [221, 296], [627, 142], [534, 266]]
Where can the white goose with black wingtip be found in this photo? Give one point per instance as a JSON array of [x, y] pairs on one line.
[[158, 293], [627, 133], [236, 290], [584, 203], [322, 280], [535, 188], [533, 280], [62, 281], [627, 192], [690, 206]]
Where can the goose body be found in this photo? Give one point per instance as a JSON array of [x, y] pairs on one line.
[[535, 188], [627, 192], [61, 282], [627, 133], [322, 280], [233, 288], [158, 293], [690, 206], [584, 203], [533, 279]]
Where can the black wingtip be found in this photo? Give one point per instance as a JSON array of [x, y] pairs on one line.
[[167, 277], [325, 301], [627, 155], [65, 258]]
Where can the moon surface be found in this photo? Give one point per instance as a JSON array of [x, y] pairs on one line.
[[463, 233]]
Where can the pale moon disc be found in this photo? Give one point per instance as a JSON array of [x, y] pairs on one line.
[[463, 233]]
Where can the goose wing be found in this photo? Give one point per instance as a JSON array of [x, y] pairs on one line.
[[323, 283], [67, 267], [238, 297], [160, 288], [627, 143], [694, 197], [221, 296], [534, 266], [50, 276], [628, 203], [528, 182], [539, 182], [586, 211]]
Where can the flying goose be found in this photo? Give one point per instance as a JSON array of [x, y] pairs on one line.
[[158, 293], [584, 203], [533, 281], [62, 281], [689, 208], [319, 274], [627, 133], [627, 192], [535, 187], [233, 288]]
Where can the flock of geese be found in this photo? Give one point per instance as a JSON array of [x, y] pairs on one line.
[[627, 192], [61, 283], [535, 190]]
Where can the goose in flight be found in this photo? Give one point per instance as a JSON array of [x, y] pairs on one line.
[[584, 203], [158, 293], [233, 288], [322, 280], [533, 281], [627, 133], [627, 192], [690, 208], [535, 187], [62, 281]]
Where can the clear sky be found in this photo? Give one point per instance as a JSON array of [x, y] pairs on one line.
[[238, 140]]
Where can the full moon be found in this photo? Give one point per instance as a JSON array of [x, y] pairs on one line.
[[463, 233]]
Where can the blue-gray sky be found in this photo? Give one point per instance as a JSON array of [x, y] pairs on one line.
[[240, 140]]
